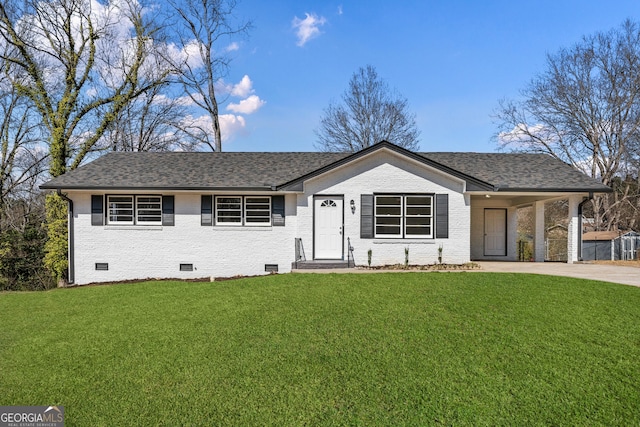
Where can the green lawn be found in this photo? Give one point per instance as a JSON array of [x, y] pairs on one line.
[[357, 349]]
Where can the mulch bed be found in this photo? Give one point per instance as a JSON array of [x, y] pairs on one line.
[[426, 267]]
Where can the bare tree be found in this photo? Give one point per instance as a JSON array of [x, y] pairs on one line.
[[584, 109], [208, 25], [152, 122], [75, 62], [80, 63], [22, 153], [370, 112]]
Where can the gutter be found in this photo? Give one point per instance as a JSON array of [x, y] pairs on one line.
[[580, 206], [71, 272]]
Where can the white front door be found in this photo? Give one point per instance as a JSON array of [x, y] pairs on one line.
[[495, 232], [327, 224]]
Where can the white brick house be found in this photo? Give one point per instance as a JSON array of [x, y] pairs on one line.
[[192, 215]]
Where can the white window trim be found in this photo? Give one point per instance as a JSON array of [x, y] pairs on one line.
[[403, 217], [243, 212]]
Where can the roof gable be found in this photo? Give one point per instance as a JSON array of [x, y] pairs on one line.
[[384, 145]]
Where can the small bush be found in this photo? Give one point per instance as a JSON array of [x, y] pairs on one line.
[[21, 254]]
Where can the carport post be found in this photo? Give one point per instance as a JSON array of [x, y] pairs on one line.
[[574, 234], [538, 240]]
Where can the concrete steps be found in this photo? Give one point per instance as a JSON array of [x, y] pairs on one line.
[[321, 264]]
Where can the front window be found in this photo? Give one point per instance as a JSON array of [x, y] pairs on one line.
[[128, 210], [404, 216], [247, 210]]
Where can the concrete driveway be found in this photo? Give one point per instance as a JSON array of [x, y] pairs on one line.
[[605, 273]]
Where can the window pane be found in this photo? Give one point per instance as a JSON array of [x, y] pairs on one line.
[[395, 231], [418, 221], [388, 210], [422, 231], [233, 203], [418, 215], [388, 226], [120, 209], [229, 210], [121, 218], [228, 199], [388, 221], [149, 209], [228, 206], [260, 220], [419, 211], [388, 215], [388, 200], [257, 210], [229, 216], [258, 200], [121, 199], [419, 200], [229, 219]]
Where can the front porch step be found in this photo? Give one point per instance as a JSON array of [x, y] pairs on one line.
[[321, 264]]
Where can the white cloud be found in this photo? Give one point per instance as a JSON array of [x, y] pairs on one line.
[[190, 53], [230, 126], [247, 106], [183, 101], [233, 47], [307, 28], [244, 88], [522, 134], [339, 9]]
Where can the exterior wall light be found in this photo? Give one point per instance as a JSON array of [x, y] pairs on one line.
[[353, 206]]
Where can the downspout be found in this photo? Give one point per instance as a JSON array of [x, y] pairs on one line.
[[71, 274], [580, 206]]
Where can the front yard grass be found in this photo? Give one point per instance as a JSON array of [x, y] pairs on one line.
[[305, 349]]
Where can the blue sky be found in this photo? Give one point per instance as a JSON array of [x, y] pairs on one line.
[[453, 60]]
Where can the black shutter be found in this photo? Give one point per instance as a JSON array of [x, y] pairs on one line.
[[277, 210], [168, 211], [442, 216], [206, 210], [366, 216], [97, 209]]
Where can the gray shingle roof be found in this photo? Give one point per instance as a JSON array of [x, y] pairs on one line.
[[518, 171], [251, 170], [194, 171]]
